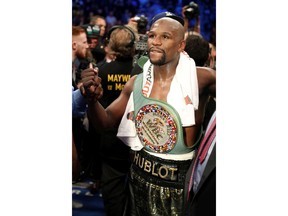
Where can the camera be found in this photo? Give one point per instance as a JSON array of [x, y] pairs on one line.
[[141, 45], [142, 22], [140, 48], [192, 10]]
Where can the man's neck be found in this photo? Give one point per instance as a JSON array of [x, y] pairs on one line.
[[164, 72]]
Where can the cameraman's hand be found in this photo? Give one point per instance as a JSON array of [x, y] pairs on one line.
[[183, 10], [132, 22], [186, 20], [91, 87]]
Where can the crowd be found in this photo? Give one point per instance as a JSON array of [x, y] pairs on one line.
[[144, 105], [119, 11]]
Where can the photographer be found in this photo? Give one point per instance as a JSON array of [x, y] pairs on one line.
[[190, 12]]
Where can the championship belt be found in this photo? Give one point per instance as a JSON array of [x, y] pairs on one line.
[[156, 128], [158, 125]]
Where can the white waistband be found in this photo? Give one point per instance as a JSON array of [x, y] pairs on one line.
[[178, 157]]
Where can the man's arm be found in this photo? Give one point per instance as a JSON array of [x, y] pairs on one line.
[[186, 21], [207, 87], [105, 118], [79, 105]]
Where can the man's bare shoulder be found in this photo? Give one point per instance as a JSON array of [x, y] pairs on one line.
[[206, 73], [206, 79], [206, 70]]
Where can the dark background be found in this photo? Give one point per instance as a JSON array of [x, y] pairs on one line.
[[82, 10]]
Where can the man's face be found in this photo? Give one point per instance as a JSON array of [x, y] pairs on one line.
[[102, 25], [164, 41], [80, 44], [93, 43]]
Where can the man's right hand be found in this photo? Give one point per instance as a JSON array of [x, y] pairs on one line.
[[91, 87]]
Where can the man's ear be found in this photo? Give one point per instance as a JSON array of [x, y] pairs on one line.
[[74, 45], [182, 46]]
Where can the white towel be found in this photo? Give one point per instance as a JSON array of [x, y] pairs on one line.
[[184, 83]]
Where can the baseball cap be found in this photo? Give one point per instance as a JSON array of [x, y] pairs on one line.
[[167, 14], [92, 31]]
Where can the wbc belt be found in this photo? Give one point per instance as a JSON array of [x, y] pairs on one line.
[[159, 171]]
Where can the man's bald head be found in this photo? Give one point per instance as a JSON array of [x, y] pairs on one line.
[[172, 25], [175, 22]]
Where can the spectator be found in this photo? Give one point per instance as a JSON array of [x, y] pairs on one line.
[[79, 105], [212, 57], [98, 52], [199, 49], [80, 129], [79, 49], [99, 21], [111, 20]]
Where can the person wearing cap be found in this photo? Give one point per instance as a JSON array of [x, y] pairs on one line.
[[99, 51], [93, 33], [99, 21], [159, 113]]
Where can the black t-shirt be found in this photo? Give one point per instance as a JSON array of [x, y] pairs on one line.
[[98, 52], [114, 76]]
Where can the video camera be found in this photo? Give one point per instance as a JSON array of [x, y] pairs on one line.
[[140, 47], [192, 10], [141, 44]]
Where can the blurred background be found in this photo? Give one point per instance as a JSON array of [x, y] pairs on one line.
[[84, 10]]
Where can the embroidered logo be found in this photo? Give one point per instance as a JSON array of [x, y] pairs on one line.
[[168, 13]]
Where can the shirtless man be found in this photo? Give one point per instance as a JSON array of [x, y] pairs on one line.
[[171, 91]]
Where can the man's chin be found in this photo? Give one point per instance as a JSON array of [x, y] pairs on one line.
[[157, 59], [157, 62]]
